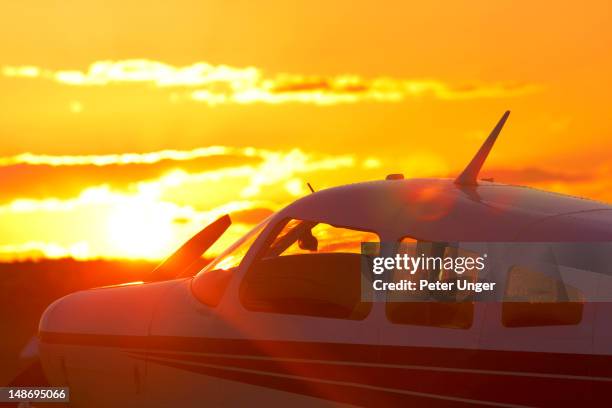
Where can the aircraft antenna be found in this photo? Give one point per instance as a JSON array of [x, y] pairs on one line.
[[310, 187], [469, 176]]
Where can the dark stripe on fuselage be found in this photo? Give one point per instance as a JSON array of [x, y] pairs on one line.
[[528, 389], [359, 394], [526, 361], [515, 377]]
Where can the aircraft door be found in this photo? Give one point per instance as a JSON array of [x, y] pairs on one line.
[[297, 329]]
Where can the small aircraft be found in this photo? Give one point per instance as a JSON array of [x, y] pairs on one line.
[[278, 318]]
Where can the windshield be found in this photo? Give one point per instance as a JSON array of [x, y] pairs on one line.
[[300, 236], [232, 256]]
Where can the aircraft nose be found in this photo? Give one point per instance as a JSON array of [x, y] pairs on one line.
[[57, 315]]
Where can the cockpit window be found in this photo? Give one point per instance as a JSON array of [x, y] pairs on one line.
[[232, 256], [311, 269], [301, 237]]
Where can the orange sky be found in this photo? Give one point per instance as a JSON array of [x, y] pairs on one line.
[[233, 106]]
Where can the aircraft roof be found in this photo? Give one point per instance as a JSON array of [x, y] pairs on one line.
[[440, 210]]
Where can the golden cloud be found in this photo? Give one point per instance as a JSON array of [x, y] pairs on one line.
[[62, 176], [222, 84], [124, 158], [32, 175], [144, 213]]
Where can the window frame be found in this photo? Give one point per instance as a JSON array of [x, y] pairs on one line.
[[254, 233], [420, 304], [272, 233], [541, 305]]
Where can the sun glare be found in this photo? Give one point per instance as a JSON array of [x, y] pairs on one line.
[[137, 232]]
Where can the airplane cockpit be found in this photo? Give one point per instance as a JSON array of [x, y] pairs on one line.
[[303, 267]]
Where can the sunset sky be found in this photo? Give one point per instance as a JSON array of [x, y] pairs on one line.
[[125, 127]]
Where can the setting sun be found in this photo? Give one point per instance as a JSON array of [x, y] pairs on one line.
[[140, 231]]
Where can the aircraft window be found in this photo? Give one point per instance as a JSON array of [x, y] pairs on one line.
[[210, 283], [302, 237], [310, 269], [444, 309], [536, 299], [232, 256]]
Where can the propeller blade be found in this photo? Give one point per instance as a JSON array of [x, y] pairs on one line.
[[178, 264]]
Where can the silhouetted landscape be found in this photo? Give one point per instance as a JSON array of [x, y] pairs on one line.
[[27, 288]]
